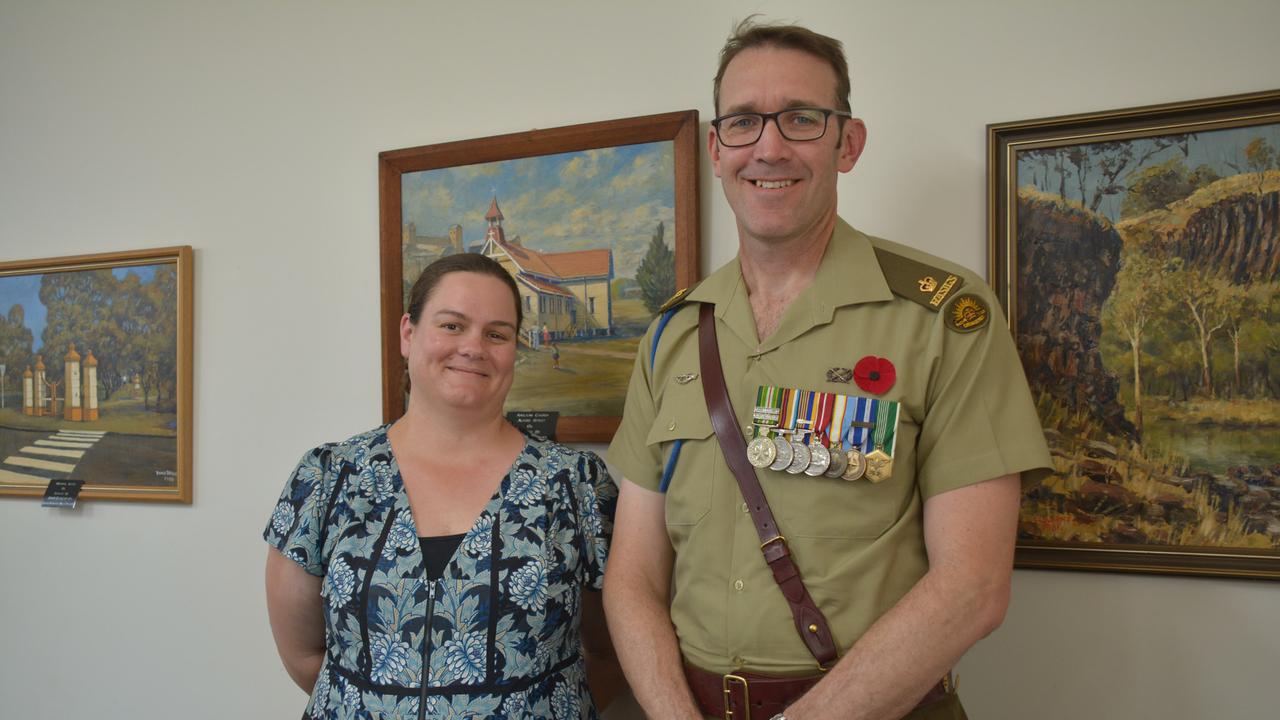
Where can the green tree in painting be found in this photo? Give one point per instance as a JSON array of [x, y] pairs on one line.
[[1238, 306], [657, 272], [160, 341], [16, 342], [1160, 185], [129, 325], [1259, 157], [1138, 298], [1204, 299], [76, 304]]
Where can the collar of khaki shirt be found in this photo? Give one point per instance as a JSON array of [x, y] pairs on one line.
[[849, 274]]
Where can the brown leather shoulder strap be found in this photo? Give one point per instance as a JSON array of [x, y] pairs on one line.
[[810, 622]]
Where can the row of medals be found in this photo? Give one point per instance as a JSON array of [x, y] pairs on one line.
[[795, 457]]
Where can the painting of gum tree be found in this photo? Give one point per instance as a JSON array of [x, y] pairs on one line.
[[1146, 272]]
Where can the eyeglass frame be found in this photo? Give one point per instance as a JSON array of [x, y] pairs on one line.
[[766, 117]]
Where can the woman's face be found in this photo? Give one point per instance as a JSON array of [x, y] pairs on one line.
[[462, 352]]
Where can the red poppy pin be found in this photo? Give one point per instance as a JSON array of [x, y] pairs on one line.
[[874, 374]]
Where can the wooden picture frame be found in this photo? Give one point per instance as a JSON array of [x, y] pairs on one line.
[[1135, 253], [571, 246], [103, 394]]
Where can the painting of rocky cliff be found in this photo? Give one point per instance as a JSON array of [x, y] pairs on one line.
[[1144, 302]]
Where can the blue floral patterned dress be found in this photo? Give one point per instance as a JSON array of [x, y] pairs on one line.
[[504, 638]]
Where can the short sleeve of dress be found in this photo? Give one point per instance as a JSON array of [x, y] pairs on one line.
[[597, 502], [981, 422], [296, 527]]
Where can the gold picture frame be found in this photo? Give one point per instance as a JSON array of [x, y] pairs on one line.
[[103, 392]]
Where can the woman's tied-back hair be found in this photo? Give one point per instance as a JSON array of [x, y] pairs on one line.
[[464, 262], [750, 34]]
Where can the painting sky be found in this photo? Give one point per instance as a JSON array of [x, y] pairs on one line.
[[1218, 149], [555, 203], [24, 290]]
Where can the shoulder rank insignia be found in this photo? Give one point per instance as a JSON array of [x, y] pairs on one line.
[[675, 300], [920, 283], [967, 313]]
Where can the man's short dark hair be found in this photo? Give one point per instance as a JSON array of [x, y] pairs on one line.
[[750, 34]]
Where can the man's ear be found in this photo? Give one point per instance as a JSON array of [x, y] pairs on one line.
[[713, 149], [853, 137]]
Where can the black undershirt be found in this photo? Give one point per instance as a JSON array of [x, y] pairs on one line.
[[437, 551]]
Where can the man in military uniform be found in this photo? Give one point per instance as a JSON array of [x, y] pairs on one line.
[[901, 521]]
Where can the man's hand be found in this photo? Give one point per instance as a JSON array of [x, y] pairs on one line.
[[969, 533]]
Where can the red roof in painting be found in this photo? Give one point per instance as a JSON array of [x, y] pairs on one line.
[[494, 212], [582, 263], [545, 287], [566, 265]]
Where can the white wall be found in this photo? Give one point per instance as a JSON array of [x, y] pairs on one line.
[[251, 130]]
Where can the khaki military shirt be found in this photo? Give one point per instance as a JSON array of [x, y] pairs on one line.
[[965, 416]]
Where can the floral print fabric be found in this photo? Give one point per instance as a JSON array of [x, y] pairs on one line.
[[503, 637]]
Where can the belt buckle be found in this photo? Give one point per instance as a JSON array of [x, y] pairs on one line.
[[726, 683]]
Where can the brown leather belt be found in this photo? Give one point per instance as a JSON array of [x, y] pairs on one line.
[[760, 696]]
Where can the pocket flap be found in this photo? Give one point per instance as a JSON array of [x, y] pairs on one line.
[[682, 414]]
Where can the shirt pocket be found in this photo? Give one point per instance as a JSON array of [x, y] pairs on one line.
[[823, 507], [682, 418]]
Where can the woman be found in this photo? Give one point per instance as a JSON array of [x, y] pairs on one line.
[[451, 520]]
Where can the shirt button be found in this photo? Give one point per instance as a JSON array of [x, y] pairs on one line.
[[745, 509], [738, 585], [738, 661]]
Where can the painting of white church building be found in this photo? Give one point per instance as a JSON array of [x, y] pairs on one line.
[[565, 294]]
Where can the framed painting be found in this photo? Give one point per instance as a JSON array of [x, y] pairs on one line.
[[597, 224], [95, 375], [1137, 255]]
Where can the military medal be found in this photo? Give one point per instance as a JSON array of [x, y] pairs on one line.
[[819, 456], [880, 460], [839, 461], [858, 425], [879, 466], [800, 457], [783, 454], [819, 460], [802, 409], [855, 465], [761, 452], [831, 436], [773, 404]]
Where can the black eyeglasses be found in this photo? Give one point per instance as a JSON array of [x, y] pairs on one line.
[[796, 124]]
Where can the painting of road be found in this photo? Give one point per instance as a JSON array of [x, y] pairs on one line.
[[588, 238], [89, 377], [1148, 320]]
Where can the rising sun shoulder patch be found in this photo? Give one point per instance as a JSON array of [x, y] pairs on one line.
[[967, 313]]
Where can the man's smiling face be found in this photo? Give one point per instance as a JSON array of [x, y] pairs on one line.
[[781, 189]]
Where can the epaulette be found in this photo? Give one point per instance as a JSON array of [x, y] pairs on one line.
[[676, 299], [665, 313], [920, 283]]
